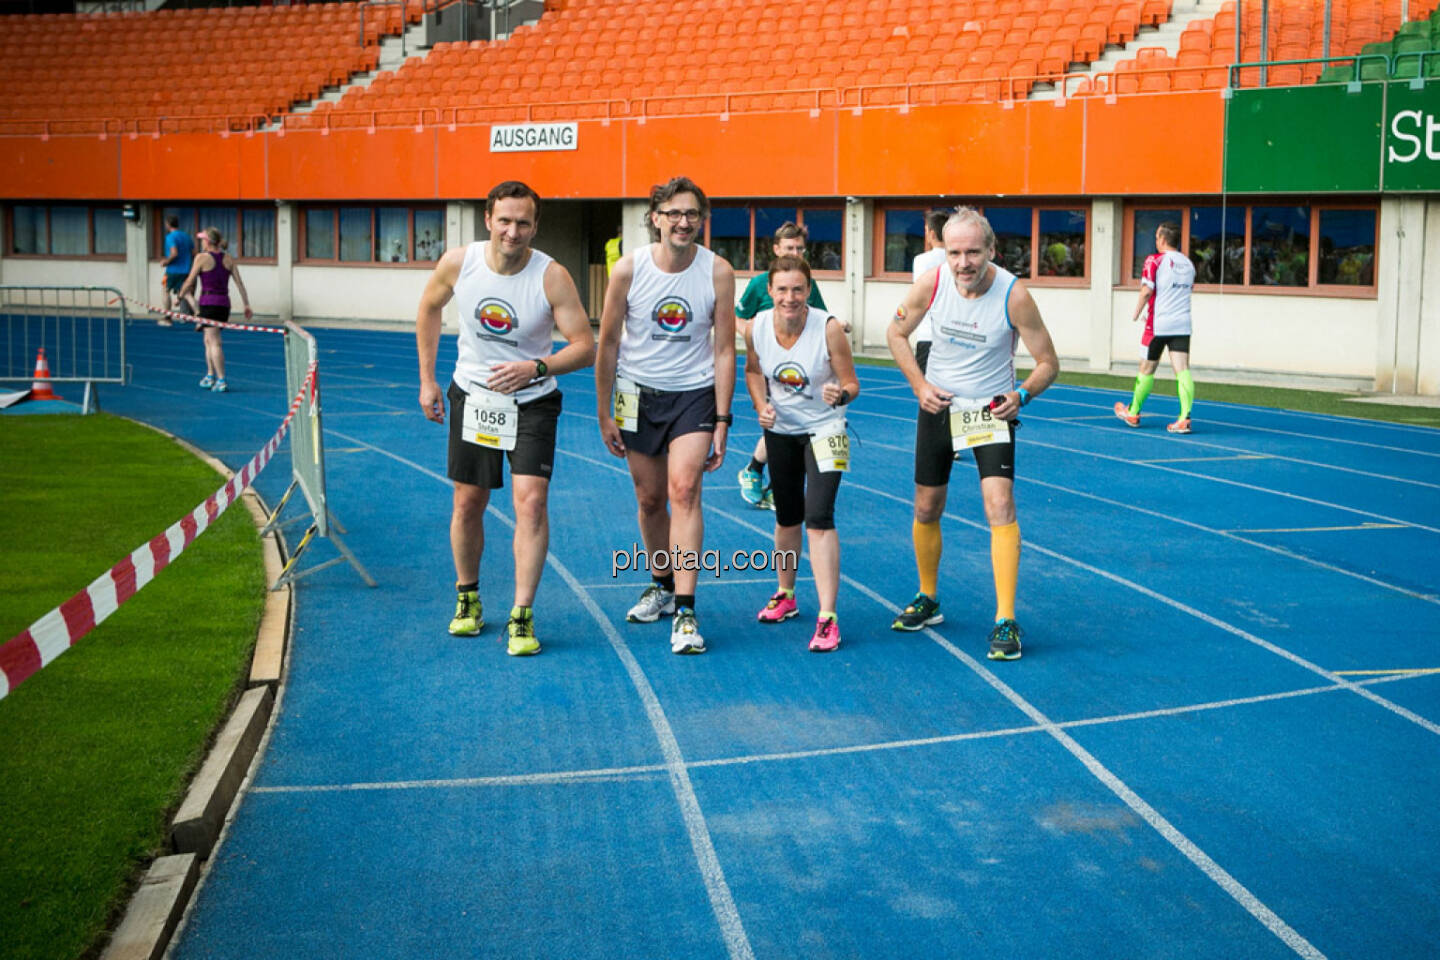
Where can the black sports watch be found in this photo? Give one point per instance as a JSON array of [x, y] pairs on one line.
[[540, 369], [725, 418]]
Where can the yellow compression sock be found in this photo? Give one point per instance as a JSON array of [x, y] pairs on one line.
[[927, 555], [1005, 560]]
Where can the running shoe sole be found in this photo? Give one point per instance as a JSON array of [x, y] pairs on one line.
[[1002, 655], [779, 619], [938, 618]]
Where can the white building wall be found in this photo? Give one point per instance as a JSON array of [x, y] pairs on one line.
[[1428, 353], [66, 272], [358, 293]]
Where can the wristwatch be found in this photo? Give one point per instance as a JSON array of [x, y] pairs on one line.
[[726, 418], [540, 369]]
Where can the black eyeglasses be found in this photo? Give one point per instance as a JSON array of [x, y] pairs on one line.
[[675, 216]]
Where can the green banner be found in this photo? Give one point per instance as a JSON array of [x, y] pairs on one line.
[[1317, 139], [1412, 137]]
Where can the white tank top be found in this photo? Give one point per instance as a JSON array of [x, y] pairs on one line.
[[1174, 281], [793, 377], [973, 352], [502, 318], [666, 343]]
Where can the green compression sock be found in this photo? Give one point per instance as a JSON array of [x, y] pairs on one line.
[[1187, 393], [1143, 383]]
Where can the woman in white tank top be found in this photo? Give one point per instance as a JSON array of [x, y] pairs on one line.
[[800, 375]]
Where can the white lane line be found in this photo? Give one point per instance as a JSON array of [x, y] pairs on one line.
[[1216, 622], [722, 903], [1238, 456], [1329, 418], [1225, 481], [620, 774], [1192, 441], [1233, 887], [1362, 526]]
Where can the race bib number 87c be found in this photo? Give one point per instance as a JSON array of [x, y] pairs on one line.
[[831, 446], [490, 421], [973, 425]]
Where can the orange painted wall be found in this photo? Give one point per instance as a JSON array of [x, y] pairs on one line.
[[1155, 143], [1163, 143]]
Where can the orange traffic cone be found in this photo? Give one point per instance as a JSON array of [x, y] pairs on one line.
[[40, 389]]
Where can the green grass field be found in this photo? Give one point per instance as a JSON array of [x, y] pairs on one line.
[[98, 746]]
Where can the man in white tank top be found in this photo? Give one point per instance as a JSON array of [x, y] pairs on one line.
[[671, 385], [504, 402], [1166, 283], [968, 400]]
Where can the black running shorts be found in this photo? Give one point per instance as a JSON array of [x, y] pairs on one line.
[[667, 414], [934, 453], [534, 453], [1177, 344]]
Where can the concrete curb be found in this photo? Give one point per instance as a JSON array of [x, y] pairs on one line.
[[158, 905]]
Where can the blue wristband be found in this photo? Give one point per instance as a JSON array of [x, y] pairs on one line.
[[1024, 395]]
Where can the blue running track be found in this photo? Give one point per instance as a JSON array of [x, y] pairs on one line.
[[1223, 740]]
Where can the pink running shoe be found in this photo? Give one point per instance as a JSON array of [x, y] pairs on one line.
[[779, 608], [1122, 410], [1179, 426], [827, 635]]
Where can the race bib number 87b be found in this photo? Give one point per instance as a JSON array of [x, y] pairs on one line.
[[973, 425], [490, 421]]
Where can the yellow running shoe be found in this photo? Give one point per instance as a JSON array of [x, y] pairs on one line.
[[469, 617], [520, 633]]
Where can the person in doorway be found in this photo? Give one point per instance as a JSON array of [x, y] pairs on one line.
[[179, 256]]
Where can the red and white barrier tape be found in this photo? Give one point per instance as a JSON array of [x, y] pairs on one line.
[[201, 320], [57, 631]]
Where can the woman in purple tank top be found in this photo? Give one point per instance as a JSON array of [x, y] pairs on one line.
[[214, 268]]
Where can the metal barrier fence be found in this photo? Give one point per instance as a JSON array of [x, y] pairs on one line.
[[307, 463], [81, 330]]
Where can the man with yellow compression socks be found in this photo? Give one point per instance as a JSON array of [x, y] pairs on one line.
[[1165, 286], [968, 400]]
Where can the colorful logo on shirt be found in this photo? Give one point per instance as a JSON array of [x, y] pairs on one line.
[[496, 317], [791, 376], [672, 314]]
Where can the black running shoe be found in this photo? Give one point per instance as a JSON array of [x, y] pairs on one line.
[[922, 612], [1005, 641]]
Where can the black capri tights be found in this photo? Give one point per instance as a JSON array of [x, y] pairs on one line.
[[802, 492]]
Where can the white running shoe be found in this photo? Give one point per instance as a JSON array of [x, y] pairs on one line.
[[656, 600], [685, 633]]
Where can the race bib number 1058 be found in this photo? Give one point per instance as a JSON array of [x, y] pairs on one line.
[[490, 421]]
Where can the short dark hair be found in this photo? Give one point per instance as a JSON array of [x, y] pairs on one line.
[[511, 189], [786, 264], [791, 231], [1170, 232], [935, 221], [662, 192], [172, 221]]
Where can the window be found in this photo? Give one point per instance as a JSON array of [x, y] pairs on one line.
[[65, 230], [1217, 244], [373, 234], [1347, 247], [904, 239], [248, 232], [1037, 243], [735, 231], [1277, 245]]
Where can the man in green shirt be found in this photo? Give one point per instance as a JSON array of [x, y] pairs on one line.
[[789, 242]]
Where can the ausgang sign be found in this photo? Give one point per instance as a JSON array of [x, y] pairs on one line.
[[521, 137]]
